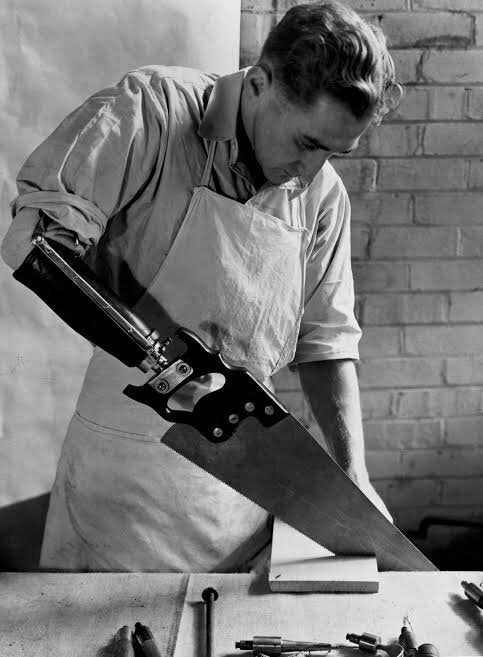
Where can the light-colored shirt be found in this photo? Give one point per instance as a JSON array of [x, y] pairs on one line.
[[119, 171]]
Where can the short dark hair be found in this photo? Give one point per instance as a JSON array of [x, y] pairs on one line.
[[328, 47]]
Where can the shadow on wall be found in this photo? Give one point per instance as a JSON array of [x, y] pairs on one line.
[[22, 527]]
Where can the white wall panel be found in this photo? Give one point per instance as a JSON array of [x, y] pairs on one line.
[[53, 55]]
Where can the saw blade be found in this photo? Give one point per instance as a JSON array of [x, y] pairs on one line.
[[287, 472]]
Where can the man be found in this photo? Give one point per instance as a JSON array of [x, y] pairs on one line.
[[207, 202]]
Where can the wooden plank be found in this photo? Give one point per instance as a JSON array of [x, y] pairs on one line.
[[300, 564]]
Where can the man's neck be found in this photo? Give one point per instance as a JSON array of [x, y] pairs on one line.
[[246, 153]]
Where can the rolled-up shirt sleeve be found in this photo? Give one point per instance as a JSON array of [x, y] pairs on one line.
[[91, 166], [329, 329]]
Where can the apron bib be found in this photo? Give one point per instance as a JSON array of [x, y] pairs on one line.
[[123, 501]]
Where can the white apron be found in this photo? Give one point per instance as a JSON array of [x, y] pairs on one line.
[[121, 500]]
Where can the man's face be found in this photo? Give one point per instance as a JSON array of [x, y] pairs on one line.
[[289, 141]]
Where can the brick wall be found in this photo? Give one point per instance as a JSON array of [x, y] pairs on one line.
[[416, 187]]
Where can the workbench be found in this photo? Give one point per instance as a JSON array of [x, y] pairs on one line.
[[76, 615]]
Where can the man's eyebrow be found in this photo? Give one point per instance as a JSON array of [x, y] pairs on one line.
[[317, 144]]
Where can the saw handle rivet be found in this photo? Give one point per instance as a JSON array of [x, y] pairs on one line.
[[233, 418], [162, 385], [217, 432], [249, 407], [269, 410]]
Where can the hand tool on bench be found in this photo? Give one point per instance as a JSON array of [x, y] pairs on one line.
[[408, 641], [473, 592], [145, 640], [275, 645], [209, 595], [372, 643]]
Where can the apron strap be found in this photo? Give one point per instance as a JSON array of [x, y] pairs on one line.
[[205, 181]]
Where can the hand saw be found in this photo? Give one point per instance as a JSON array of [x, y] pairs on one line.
[[240, 433], [245, 437]]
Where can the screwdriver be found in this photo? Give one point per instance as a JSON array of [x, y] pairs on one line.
[[145, 641], [408, 642], [372, 643], [474, 593], [275, 645], [367, 642]]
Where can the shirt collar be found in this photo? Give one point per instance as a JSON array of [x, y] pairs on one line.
[[219, 120], [219, 123]]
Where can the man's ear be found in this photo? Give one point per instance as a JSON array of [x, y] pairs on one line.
[[258, 80]]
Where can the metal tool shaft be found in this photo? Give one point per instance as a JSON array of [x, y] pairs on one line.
[[473, 592], [367, 642], [408, 642], [209, 595], [275, 645]]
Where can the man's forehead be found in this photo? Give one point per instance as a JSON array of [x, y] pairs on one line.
[[330, 125]]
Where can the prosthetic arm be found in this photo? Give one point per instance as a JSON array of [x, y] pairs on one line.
[[77, 296], [67, 285]]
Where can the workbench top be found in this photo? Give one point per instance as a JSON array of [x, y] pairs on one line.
[[76, 615]]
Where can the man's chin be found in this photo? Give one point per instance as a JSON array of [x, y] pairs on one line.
[[277, 176]]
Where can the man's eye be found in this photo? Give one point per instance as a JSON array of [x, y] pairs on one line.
[[307, 146]]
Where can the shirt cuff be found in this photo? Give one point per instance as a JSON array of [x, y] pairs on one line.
[[334, 355], [17, 242]]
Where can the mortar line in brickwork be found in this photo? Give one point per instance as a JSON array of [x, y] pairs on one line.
[[410, 357], [459, 242], [429, 190], [407, 275], [261, 12], [394, 224], [436, 85], [458, 157], [467, 172], [444, 371], [368, 324], [402, 340], [466, 416], [427, 291], [412, 208], [407, 260], [377, 168], [449, 304], [432, 84], [444, 431], [424, 122], [466, 104], [401, 390], [473, 33], [374, 12], [418, 293], [420, 77]]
